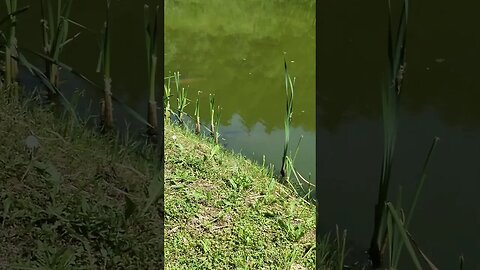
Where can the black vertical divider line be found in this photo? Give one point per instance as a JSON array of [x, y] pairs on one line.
[[317, 128], [161, 131]]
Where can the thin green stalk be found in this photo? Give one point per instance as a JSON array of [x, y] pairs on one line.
[[390, 101], [182, 102], [341, 243], [217, 124], [11, 67], [55, 25], [151, 48], [197, 115], [212, 115], [104, 66], [418, 190], [300, 180], [398, 223], [288, 118], [166, 101]]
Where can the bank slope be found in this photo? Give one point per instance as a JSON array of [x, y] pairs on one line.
[[222, 211], [65, 206]]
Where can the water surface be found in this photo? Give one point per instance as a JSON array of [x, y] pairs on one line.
[[235, 50], [439, 98]]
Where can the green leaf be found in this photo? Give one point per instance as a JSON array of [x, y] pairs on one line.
[[401, 229]]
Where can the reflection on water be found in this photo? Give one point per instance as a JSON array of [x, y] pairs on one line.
[[253, 141], [238, 48], [439, 98], [234, 49]]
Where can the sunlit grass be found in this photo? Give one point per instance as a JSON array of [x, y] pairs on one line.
[[224, 211]]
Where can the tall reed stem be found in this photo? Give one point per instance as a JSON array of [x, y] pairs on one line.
[[212, 116], [197, 115], [390, 101], [151, 48], [55, 36], [167, 94], [288, 118], [11, 66], [104, 65]]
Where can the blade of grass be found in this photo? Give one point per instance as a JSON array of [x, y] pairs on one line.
[[403, 233], [430, 264], [341, 243], [418, 190]]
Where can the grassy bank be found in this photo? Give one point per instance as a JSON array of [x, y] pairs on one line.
[[64, 205], [79, 201], [222, 211]]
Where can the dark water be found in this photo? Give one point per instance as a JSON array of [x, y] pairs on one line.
[[440, 98], [128, 59], [236, 51]]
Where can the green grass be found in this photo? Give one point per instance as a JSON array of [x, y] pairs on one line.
[[79, 201], [225, 212]]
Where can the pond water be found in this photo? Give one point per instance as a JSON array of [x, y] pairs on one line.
[[128, 59], [235, 50], [439, 98]]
